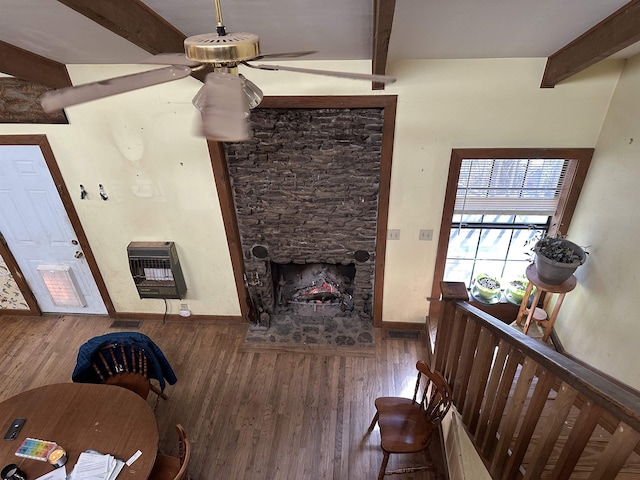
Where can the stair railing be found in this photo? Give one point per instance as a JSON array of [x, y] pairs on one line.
[[531, 412]]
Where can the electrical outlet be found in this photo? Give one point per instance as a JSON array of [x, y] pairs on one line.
[[393, 234], [426, 235]]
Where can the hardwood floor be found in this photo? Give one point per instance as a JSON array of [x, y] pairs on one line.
[[252, 412]]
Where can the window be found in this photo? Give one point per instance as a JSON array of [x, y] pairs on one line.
[[500, 204], [497, 199], [491, 244]]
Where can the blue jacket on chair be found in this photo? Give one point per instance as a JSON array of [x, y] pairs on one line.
[[158, 366]]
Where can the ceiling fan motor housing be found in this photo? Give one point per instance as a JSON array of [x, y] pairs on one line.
[[229, 48]]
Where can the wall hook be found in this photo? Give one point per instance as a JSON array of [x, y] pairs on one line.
[[83, 192], [103, 194]]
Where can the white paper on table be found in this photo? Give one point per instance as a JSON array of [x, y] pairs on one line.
[[116, 470], [57, 474], [94, 466]]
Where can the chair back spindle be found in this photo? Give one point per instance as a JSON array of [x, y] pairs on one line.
[[126, 366]]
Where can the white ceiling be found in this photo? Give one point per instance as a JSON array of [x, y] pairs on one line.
[[337, 29]]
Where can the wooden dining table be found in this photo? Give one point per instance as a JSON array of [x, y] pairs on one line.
[[79, 417]]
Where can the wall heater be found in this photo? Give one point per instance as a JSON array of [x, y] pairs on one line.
[[156, 269]]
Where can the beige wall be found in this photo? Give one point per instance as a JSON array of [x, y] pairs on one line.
[[599, 320], [157, 173], [470, 103], [160, 185]]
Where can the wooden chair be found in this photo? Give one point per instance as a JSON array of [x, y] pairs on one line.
[[167, 467], [125, 366], [407, 424]]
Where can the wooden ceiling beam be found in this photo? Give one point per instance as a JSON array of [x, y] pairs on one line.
[[32, 67], [133, 20], [617, 31], [136, 22], [383, 11]]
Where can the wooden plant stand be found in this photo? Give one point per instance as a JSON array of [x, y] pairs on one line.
[[561, 289]]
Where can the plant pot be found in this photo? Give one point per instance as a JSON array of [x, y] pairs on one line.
[[518, 287], [487, 286], [554, 272]]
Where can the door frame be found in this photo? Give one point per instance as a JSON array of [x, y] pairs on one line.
[[58, 180], [22, 284]]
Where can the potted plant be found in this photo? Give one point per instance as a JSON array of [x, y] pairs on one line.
[[518, 287], [487, 286], [557, 258]]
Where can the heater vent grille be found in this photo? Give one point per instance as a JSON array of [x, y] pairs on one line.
[[404, 334], [156, 270], [125, 324], [61, 285]]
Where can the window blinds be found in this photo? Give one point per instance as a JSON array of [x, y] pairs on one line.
[[523, 186]]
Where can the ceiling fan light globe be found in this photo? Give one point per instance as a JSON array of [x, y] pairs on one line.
[[199, 99], [252, 92], [225, 112]]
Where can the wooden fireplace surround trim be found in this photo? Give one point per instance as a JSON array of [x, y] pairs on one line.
[[225, 193]]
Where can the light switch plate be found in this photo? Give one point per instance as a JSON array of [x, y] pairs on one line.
[[426, 235], [393, 234]]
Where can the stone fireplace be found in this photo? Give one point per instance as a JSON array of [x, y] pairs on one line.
[[305, 190]]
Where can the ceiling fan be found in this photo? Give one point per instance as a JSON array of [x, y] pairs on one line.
[[226, 96]]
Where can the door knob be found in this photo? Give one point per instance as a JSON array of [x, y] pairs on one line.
[[79, 254]]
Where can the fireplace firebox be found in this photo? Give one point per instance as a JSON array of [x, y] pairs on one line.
[[313, 289]]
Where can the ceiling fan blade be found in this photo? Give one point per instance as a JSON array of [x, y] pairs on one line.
[[329, 73], [285, 55], [65, 97], [170, 59], [225, 110]]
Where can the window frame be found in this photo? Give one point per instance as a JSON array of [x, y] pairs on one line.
[[580, 159]]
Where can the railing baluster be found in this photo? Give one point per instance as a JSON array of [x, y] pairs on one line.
[[491, 391], [553, 426], [457, 334], [531, 418], [624, 441], [514, 412], [467, 356], [513, 362], [577, 440], [478, 380]]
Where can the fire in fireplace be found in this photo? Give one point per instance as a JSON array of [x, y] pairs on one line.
[[317, 288]]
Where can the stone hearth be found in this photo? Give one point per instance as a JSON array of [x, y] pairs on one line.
[[349, 331]]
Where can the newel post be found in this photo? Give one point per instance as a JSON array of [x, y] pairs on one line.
[[452, 292]]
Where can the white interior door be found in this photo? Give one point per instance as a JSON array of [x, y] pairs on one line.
[[40, 235]]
